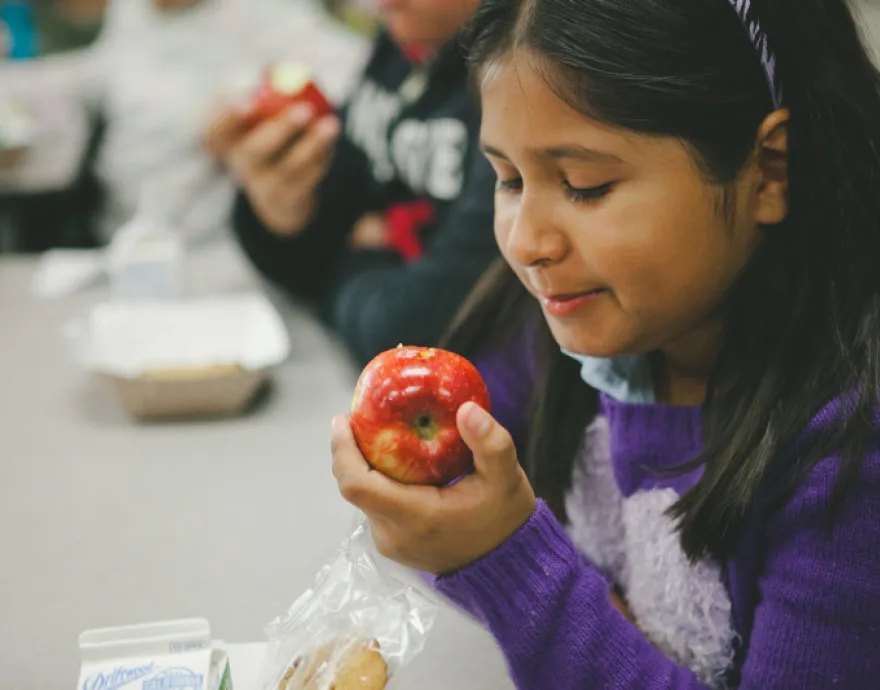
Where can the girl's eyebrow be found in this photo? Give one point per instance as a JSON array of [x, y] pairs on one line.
[[490, 150], [556, 152], [581, 153]]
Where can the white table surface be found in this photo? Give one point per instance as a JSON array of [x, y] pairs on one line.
[[245, 661], [104, 522]]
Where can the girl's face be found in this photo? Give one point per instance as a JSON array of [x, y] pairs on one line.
[[619, 235], [426, 24]]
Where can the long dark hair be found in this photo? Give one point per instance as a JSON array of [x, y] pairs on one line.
[[803, 320]]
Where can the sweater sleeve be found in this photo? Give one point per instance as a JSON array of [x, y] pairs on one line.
[[817, 623], [551, 613], [381, 301]]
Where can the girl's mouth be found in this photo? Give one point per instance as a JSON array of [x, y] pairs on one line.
[[566, 305]]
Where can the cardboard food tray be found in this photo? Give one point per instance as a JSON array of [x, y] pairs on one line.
[[191, 359], [212, 396]]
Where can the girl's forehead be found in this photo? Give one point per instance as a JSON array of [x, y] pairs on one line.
[[520, 106], [518, 101], [525, 85]]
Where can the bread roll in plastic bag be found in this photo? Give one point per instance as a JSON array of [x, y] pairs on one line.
[[358, 625]]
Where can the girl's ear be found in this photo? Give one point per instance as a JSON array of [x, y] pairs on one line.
[[771, 205]]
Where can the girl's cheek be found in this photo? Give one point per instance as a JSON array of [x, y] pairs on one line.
[[504, 219]]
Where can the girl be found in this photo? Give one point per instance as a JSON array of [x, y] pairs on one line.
[[690, 193]]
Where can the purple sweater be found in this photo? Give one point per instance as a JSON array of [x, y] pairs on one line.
[[794, 607]]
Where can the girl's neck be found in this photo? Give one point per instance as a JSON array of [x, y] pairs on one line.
[[682, 369]]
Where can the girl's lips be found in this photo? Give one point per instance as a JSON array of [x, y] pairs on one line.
[[568, 305]]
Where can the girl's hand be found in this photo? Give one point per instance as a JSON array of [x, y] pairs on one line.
[[440, 530]]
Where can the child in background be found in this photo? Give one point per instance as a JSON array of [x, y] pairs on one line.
[[162, 66], [381, 218], [67, 25], [689, 193]]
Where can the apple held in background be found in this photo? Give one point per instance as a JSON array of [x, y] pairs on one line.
[[404, 409], [286, 84]]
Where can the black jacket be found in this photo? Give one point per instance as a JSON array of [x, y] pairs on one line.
[[408, 134]]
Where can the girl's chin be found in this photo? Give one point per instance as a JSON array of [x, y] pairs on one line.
[[576, 344]]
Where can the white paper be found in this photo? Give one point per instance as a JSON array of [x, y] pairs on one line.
[[127, 339], [62, 272]]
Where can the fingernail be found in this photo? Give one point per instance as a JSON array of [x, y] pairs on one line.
[[300, 114], [477, 420], [329, 127]]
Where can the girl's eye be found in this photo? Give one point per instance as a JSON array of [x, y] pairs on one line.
[[587, 194], [514, 184]]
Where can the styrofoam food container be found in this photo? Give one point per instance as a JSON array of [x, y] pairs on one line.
[[195, 357]]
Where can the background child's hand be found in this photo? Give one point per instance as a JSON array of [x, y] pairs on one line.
[[440, 530], [370, 232], [280, 162]]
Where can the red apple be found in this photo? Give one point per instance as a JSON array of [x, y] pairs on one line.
[[403, 413], [285, 84]]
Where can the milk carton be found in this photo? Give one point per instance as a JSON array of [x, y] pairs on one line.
[[145, 257], [145, 261], [173, 655]]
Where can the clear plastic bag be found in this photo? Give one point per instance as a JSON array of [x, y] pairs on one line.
[[353, 630]]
